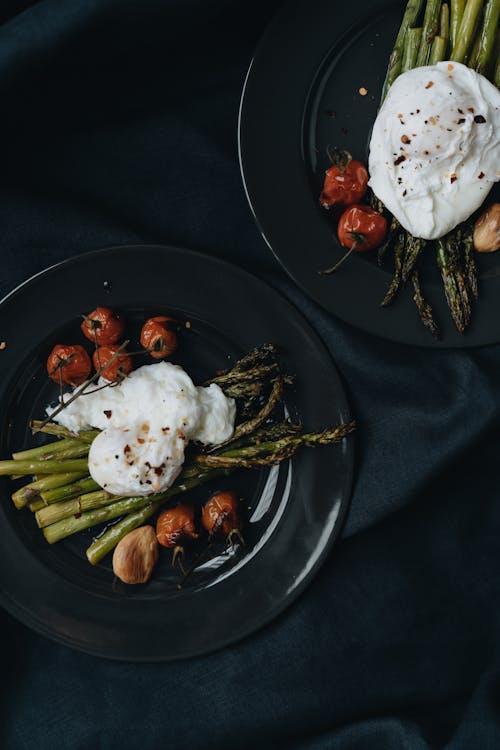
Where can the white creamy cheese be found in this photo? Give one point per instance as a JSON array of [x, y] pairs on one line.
[[435, 147], [146, 422]]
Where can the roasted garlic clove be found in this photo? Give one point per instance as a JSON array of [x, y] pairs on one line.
[[136, 555], [487, 230]]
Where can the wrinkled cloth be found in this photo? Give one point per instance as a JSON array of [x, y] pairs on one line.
[[119, 126]]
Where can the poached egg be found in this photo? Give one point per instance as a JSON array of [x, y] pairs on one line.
[[435, 147], [146, 422]]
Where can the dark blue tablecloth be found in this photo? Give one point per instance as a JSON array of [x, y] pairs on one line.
[[118, 122]]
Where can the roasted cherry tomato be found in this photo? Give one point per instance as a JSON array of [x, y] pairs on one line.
[[220, 515], [119, 367], [361, 228], [176, 526], [103, 326], [159, 336], [68, 364], [345, 181]]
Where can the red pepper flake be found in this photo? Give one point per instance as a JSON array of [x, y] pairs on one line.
[[461, 121], [480, 177], [453, 178], [399, 160], [127, 449], [470, 109], [426, 153], [108, 413], [431, 83], [141, 441], [479, 119], [460, 110], [404, 193], [405, 139]]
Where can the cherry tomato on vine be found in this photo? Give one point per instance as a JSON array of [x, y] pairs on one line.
[[159, 336], [118, 369], [220, 514], [345, 181], [103, 326], [361, 228], [176, 525], [68, 364]]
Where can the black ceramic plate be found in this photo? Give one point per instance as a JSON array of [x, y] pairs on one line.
[[302, 94], [292, 512]]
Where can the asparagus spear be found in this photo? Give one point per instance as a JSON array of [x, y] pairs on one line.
[[444, 22], [32, 490], [454, 246], [264, 434], [67, 448], [456, 13], [261, 356], [438, 50], [450, 286], [398, 265], [410, 51], [488, 37], [430, 29], [414, 246], [68, 491], [51, 466], [247, 427], [496, 62], [466, 31], [68, 526], [410, 18], [471, 56], [391, 236], [423, 307], [470, 262], [274, 451], [36, 504], [75, 507], [52, 428], [242, 379]]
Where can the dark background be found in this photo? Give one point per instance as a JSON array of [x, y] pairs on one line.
[[118, 125]]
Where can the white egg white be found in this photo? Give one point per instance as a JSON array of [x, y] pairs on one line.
[[146, 421], [435, 147]]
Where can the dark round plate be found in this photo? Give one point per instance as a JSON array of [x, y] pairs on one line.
[[292, 512], [301, 95]]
